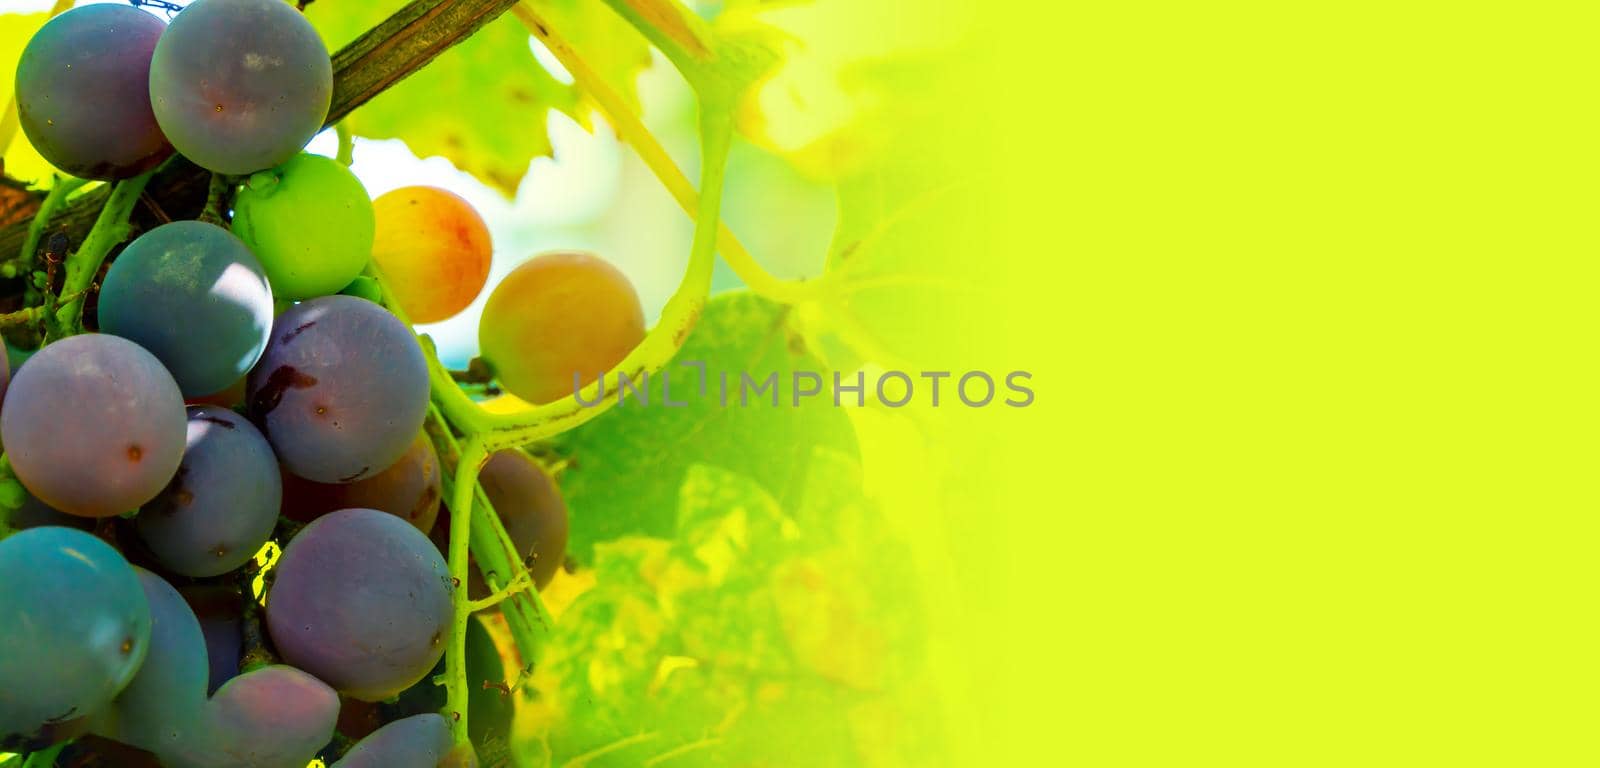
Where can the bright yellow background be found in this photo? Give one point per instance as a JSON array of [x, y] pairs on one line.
[[1306, 290], [1309, 288]]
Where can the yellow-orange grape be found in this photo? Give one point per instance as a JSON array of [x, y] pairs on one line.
[[557, 315], [433, 248]]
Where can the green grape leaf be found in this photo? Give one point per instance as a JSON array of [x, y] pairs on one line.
[[627, 465], [754, 632], [483, 105]]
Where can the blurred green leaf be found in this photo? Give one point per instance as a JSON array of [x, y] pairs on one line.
[[628, 465], [720, 60], [614, 50], [908, 245], [484, 105], [751, 634]]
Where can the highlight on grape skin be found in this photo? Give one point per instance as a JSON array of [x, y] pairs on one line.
[[199, 272], [93, 425], [82, 95], [434, 249], [240, 85], [558, 317]]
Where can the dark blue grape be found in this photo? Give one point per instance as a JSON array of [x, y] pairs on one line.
[[530, 506], [93, 425], [160, 710], [91, 751], [219, 609], [272, 717], [240, 85], [83, 93], [341, 391], [36, 514], [491, 707], [419, 741], [362, 600], [193, 295], [222, 504], [76, 627], [410, 489]]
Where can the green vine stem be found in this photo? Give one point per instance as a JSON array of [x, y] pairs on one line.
[[517, 585], [466, 479], [12, 495], [44, 758], [110, 229], [632, 131], [347, 143], [491, 544], [29, 315], [216, 191], [496, 553], [59, 191]]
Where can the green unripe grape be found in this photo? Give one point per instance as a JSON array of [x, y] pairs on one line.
[[310, 224]]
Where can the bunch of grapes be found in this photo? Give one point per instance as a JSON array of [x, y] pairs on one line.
[[239, 386]]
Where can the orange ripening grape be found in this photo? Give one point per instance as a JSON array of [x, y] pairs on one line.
[[559, 314], [433, 248]]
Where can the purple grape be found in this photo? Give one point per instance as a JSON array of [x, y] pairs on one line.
[[160, 710], [222, 504], [409, 489], [93, 425], [419, 741], [240, 85], [83, 95], [272, 717], [341, 391], [76, 628], [219, 610], [182, 277], [362, 600]]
